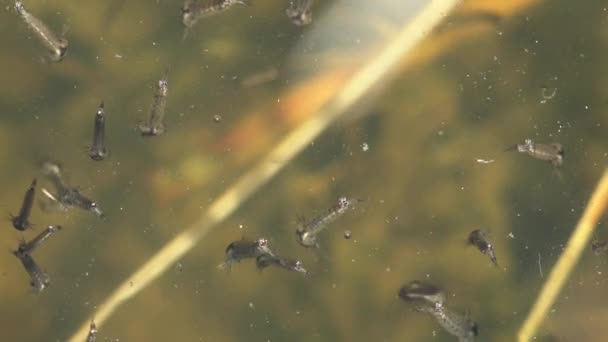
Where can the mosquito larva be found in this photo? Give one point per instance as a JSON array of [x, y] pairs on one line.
[[553, 153], [418, 290], [21, 221], [32, 245], [65, 195], [92, 336], [98, 150], [154, 126], [479, 239], [39, 280], [57, 46], [300, 12], [193, 10], [307, 231], [428, 299], [244, 249], [265, 260]]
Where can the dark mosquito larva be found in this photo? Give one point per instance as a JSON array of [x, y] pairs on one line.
[[39, 280], [417, 290], [66, 196], [32, 245], [21, 221], [479, 239], [98, 150], [244, 249]]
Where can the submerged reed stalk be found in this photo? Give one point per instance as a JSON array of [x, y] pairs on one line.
[[369, 76], [560, 273]]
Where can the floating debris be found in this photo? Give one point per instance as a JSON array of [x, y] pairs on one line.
[[478, 239], [300, 12], [553, 153], [540, 266], [244, 249], [193, 10], [65, 196], [546, 95], [154, 126], [348, 234], [39, 280], [57, 46], [265, 260], [32, 245], [429, 299], [599, 247], [98, 151], [21, 221], [484, 161], [92, 336], [217, 118], [306, 233]]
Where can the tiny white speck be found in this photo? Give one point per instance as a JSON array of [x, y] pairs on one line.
[[365, 147]]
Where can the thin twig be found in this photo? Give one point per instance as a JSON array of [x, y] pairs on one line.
[[559, 274], [540, 267], [365, 79]]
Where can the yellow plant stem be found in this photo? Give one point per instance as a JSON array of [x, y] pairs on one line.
[[560, 273], [359, 85]]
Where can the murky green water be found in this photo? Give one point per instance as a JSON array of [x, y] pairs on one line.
[[539, 74]]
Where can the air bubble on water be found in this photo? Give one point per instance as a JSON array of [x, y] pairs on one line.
[[217, 118], [347, 234], [251, 306], [364, 147]]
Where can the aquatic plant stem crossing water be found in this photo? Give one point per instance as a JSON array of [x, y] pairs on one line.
[[569, 258]]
